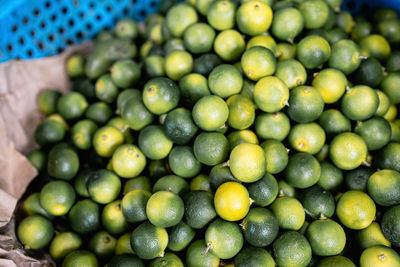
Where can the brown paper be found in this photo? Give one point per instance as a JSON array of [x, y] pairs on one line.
[[20, 84]]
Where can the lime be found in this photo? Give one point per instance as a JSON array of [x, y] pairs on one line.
[[390, 225], [183, 162], [224, 239], [315, 13], [136, 115], [75, 66], [154, 143], [326, 237], [211, 148], [229, 45], [272, 126], [128, 160], [80, 258], [126, 28], [392, 63], [126, 95], [193, 87], [305, 104], [247, 162], [134, 205], [38, 159], [357, 179], [35, 232], [307, 137], [291, 72], [200, 183], [355, 210], [154, 66], [82, 133], [384, 103], [179, 236], [347, 151], [71, 105], [303, 170], [168, 260], [391, 114], [331, 177], [221, 14], [264, 41], [384, 187], [389, 85], [103, 186], [292, 249], [125, 73], [260, 227], [376, 132], [379, 256], [345, 21], [199, 38], [241, 112], [360, 30], [313, 50], [199, 209], [243, 136], [285, 51], [125, 260], [149, 241], [164, 209], [318, 202], [64, 243], [271, 94], [49, 132], [177, 64], [210, 112], [276, 156], [225, 80], [289, 212], [47, 101], [287, 24], [160, 95], [172, 183], [250, 256], [196, 258], [375, 45], [331, 83], [254, 17], [372, 236], [63, 162], [370, 72], [335, 35], [123, 245], [105, 89], [179, 18], [106, 140], [334, 122], [258, 62], [205, 63], [179, 126], [286, 189], [336, 261], [84, 216], [103, 245], [32, 206], [232, 201], [113, 219], [57, 197]]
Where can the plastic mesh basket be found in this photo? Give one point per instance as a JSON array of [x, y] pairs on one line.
[[38, 28]]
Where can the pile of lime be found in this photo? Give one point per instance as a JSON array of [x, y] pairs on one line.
[[225, 133]]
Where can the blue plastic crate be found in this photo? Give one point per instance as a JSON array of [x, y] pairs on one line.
[[38, 28]]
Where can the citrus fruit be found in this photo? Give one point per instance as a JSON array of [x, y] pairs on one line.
[[225, 80], [254, 257], [303, 170], [82, 134], [168, 260], [127, 28], [291, 72], [376, 132], [125, 73], [199, 209], [264, 191], [63, 162], [179, 18], [35, 232], [264, 41], [57, 197], [199, 38], [105, 89], [38, 159], [287, 24], [379, 256], [241, 112], [384, 103], [210, 112], [179, 236], [126, 260], [103, 245], [32, 206], [183, 162], [371, 236], [103, 186], [71, 105], [211, 148], [336, 261], [112, 218], [307, 137], [200, 183], [134, 205], [172, 183], [160, 95], [271, 94], [289, 212], [315, 13], [229, 45], [84, 216], [196, 258], [177, 64], [149, 241], [276, 156], [272, 126], [106, 140], [331, 177], [305, 104], [136, 115], [334, 122], [179, 126], [254, 17], [390, 225], [221, 14], [47, 101], [292, 249], [154, 143], [331, 83], [123, 245], [313, 50], [137, 183], [164, 209], [194, 86], [64, 243], [375, 45], [80, 258], [389, 84], [258, 62], [318, 202]]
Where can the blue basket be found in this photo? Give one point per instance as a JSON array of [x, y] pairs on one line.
[[38, 28]]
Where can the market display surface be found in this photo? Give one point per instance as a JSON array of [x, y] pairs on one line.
[[224, 133]]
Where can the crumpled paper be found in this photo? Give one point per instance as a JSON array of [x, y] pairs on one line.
[[20, 84]]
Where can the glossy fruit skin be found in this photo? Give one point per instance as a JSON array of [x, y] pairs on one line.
[[232, 201], [35, 232], [194, 257], [251, 256], [292, 248], [390, 226]]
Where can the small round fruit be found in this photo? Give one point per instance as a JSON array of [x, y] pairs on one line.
[[57, 197], [379, 256], [289, 212], [232, 201], [164, 209], [258, 62], [292, 249], [270, 94], [210, 112], [35, 232], [313, 50], [254, 17]]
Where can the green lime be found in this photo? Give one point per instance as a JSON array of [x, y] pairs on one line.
[[357, 179], [103, 245], [85, 87], [196, 258], [200, 183], [225, 80], [75, 66], [134, 205], [38, 159], [149, 241], [272, 126], [289, 212], [123, 245], [210, 112], [63, 162], [375, 45], [391, 114], [64, 243], [177, 64], [334, 122], [371, 236], [125, 260], [183, 162], [168, 260], [392, 63], [71, 105], [331, 177], [336, 261], [335, 35], [229, 45], [384, 103], [172, 183], [379, 256], [136, 115], [106, 140], [258, 62], [287, 24], [224, 239], [49, 132], [84, 216], [331, 83], [260, 227], [154, 143], [254, 17], [123, 127], [113, 219], [347, 151], [179, 126], [199, 209], [211, 148], [80, 258], [291, 72], [171, 45], [127, 28], [389, 86], [384, 187], [193, 87], [126, 95], [247, 162], [307, 137], [103, 186], [360, 30], [305, 104], [355, 210], [32, 206], [179, 18], [303, 170], [47, 101], [251, 256], [125, 73], [164, 209], [376, 132], [313, 50], [318, 202], [370, 72], [205, 63], [276, 156], [241, 112], [154, 66], [286, 189], [160, 95], [105, 89], [82, 133], [315, 13], [243, 136], [199, 38], [221, 14], [390, 225], [285, 51], [128, 161], [264, 41], [271, 94], [345, 21], [292, 249], [35, 232], [179, 236], [57, 197]]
